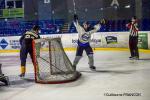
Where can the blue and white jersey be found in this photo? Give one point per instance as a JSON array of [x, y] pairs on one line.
[[83, 36]]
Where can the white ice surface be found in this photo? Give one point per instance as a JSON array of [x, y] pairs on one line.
[[116, 74]]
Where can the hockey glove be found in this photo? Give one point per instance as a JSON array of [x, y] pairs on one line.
[[102, 21], [75, 17]]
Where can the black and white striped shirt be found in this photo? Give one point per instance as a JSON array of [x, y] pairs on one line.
[[133, 29]]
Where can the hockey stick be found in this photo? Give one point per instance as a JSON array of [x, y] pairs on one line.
[[111, 71], [74, 7]]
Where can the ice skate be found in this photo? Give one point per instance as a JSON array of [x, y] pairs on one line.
[[22, 75], [93, 68]]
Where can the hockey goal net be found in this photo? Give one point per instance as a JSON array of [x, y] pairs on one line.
[[51, 63]]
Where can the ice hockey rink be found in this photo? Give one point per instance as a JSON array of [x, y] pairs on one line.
[[116, 78]]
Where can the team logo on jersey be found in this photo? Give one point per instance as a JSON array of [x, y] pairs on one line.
[[3, 43], [85, 37]]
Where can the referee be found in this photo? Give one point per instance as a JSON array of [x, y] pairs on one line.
[[133, 38]]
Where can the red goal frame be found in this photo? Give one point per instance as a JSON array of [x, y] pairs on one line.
[[78, 74]]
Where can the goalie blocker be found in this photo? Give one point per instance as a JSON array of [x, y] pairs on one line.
[[51, 64]]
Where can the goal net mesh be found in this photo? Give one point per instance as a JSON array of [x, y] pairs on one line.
[[51, 63]]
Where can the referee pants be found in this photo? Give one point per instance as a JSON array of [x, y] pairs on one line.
[[133, 42]]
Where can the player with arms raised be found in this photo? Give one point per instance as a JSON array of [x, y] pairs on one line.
[[84, 38]]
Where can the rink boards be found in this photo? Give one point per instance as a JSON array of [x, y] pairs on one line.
[[98, 40]]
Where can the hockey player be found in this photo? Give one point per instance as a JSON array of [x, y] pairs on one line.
[[84, 37], [26, 47], [133, 38]]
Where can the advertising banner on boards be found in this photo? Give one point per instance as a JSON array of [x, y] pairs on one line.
[[143, 41]]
